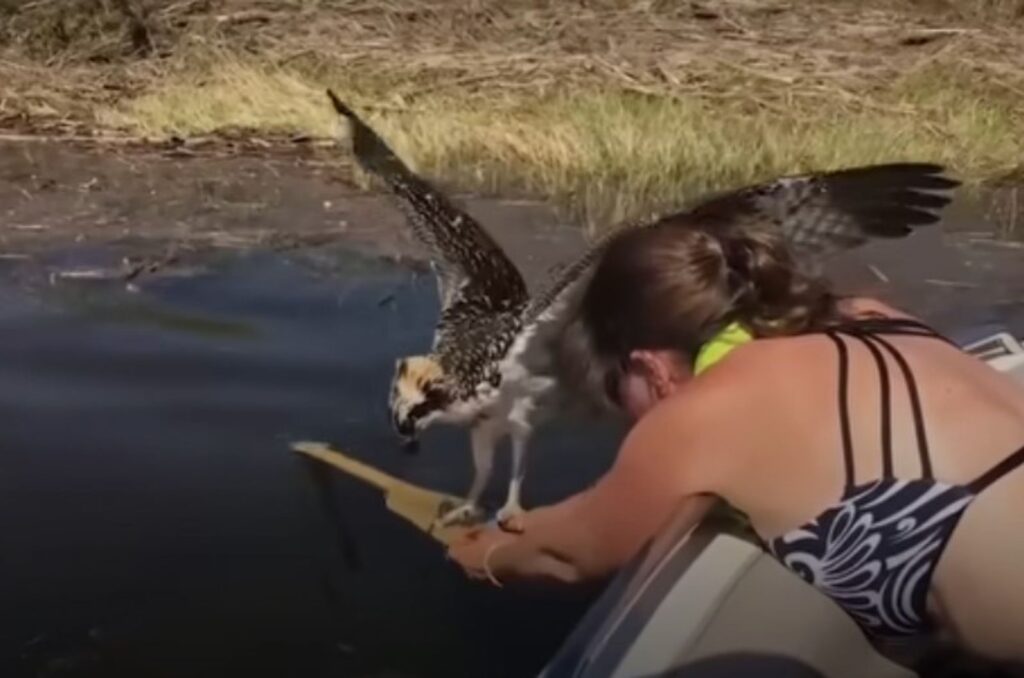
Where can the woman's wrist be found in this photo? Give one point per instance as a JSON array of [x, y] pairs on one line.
[[512, 556]]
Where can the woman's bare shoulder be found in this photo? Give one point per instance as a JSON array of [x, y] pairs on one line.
[[706, 407]]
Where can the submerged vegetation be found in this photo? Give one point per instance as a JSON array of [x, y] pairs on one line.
[[611, 107]]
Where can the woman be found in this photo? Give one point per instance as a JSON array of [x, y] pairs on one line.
[[871, 456]]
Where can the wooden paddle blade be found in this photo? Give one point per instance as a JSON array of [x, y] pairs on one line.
[[417, 505], [353, 467]]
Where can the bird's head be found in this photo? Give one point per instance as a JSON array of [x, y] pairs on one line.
[[420, 392]]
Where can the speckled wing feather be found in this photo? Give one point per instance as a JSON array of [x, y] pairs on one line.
[[819, 214], [476, 277], [823, 213]]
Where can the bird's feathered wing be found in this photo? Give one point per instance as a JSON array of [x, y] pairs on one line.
[[483, 294], [819, 214], [477, 280], [823, 213]]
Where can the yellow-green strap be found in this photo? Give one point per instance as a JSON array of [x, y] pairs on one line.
[[731, 336]]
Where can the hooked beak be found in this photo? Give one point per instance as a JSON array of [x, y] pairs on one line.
[[406, 429]]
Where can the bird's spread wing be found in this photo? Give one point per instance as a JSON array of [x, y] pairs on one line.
[[819, 214], [823, 213], [475, 275], [552, 342]]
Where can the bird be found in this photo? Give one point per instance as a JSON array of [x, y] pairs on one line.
[[503, 361]]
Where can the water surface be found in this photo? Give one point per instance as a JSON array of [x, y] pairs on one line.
[[153, 521], [156, 523]]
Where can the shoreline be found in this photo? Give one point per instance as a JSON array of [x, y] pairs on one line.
[[607, 110]]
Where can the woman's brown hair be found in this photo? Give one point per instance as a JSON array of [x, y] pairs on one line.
[[671, 286]]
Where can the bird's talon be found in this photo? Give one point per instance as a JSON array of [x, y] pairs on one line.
[[462, 514]]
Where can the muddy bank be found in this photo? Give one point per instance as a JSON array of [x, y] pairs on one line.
[[164, 213], [153, 202]]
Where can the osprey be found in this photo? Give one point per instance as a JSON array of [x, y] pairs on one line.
[[503, 361]]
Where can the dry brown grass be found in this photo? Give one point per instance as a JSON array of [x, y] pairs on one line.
[[612, 107]]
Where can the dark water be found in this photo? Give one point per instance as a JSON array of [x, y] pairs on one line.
[[945, 275], [153, 521]]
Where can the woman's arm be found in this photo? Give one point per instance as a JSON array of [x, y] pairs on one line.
[[593, 533]]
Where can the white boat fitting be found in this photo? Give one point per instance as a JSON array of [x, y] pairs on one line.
[[712, 603]]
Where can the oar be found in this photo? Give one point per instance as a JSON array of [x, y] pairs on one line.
[[416, 504]]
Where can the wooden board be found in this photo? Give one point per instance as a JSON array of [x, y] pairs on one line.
[[417, 505]]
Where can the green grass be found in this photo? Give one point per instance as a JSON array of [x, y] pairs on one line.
[[612, 108], [605, 153]]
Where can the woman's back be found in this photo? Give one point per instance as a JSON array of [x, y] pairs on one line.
[[865, 509]]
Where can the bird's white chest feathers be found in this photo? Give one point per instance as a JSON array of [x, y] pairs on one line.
[[513, 398], [486, 401], [519, 381]]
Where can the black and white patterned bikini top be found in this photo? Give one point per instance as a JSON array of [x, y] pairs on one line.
[[875, 551]]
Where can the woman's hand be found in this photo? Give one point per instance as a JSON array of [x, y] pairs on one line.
[[476, 552]]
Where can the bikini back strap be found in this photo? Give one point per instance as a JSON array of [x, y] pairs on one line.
[[996, 472], [844, 404], [886, 403], [887, 325], [917, 412]]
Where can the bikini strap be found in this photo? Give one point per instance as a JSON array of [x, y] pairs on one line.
[[917, 412], [844, 404], [888, 325], [996, 472], [868, 331], [886, 403]]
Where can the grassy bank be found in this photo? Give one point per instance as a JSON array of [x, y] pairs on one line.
[[613, 108]]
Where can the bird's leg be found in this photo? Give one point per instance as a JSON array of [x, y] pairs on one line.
[[510, 516], [483, 440]]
